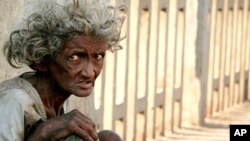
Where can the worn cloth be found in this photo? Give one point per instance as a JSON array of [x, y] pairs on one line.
[[20, 108]]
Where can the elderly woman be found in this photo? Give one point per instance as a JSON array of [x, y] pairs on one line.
[[65, 46]]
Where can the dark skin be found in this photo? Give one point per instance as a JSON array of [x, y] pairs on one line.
[[74, 71]]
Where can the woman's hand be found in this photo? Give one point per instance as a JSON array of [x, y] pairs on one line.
[[63, 126]]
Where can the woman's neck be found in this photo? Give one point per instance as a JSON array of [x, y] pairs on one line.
[[52, 96]]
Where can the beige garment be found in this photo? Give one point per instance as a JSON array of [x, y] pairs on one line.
[[20, 107]]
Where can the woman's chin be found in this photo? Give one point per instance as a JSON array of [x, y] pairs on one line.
[[83, 93]]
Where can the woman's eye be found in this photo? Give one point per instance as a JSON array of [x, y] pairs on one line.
[[98, 56], [74, 57]]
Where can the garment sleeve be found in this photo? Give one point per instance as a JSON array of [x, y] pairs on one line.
[[16, 113]]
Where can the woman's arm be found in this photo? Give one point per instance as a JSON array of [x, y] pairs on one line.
[[72, 123]]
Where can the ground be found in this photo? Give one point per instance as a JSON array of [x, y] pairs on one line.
[[216, 128]]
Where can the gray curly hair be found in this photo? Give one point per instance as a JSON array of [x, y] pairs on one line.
[[45, 30]]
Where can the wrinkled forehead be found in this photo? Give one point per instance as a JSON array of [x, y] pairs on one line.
[[86, 42]]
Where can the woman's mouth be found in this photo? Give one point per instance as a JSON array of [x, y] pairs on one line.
[[86, 84]]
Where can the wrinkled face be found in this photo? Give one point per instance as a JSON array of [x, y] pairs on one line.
[[76, 68]]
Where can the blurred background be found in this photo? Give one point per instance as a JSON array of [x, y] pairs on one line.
[[182, 73]]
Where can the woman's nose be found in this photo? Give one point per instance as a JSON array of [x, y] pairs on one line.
[[88, 70]]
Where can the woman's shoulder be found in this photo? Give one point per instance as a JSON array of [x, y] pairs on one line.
[[18, 91], [18, 84]]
